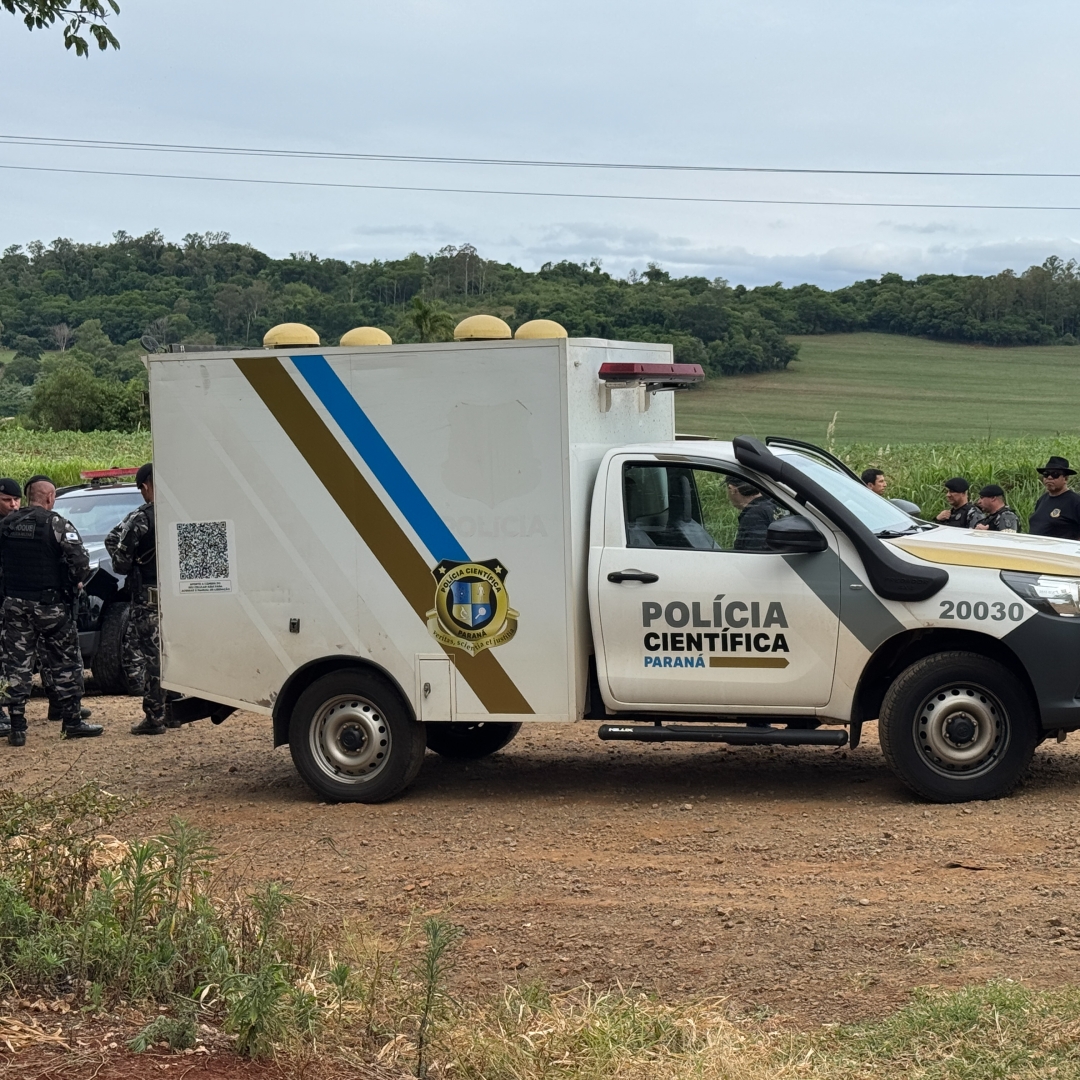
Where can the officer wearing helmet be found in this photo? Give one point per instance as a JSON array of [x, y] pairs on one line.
[[132, 547]]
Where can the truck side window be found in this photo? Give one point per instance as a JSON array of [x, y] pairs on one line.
[[678, 506]]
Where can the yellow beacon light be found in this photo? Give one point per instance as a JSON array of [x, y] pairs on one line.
[[540, 328], [481, 328], [366, 335], [290, 335]]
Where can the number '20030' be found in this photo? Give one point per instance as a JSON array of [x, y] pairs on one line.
[[981, 610]]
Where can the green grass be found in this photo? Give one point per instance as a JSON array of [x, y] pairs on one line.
[[64, 454], [890, 389]]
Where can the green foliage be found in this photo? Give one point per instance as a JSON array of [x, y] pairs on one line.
[[177, 1032], [68, 396], [88, 15], [436, 963]]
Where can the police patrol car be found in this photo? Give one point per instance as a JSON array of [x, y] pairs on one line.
[[424, 546]]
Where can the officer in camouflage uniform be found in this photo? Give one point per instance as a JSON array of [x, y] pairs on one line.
[[10, 496], [43, 562], [997, 517], [131, 545]]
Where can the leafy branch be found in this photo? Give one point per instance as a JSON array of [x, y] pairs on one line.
[[89, 15]]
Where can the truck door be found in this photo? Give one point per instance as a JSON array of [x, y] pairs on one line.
[[695, 610]]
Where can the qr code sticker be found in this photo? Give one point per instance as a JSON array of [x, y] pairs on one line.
[[204, 550]]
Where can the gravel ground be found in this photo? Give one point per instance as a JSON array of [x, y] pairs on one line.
[[803, 882]]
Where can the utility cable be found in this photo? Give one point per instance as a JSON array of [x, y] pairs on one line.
[[328, 155], [535, 194]]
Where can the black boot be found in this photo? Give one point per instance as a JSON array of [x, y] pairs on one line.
[[16, 735], [79, 729], [149, 727], [5, 724]]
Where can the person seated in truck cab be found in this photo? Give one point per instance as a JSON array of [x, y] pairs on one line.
[[756, 513]]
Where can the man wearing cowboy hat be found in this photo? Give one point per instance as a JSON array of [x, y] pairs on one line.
[[1057, 513]]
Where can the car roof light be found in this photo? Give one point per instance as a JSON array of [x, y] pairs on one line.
[[652, 376]]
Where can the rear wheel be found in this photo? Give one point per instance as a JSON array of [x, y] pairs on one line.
[[352, 738], [958, 726], [110, 672], [470, 741]]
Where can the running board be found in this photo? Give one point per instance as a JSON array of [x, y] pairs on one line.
[[728, 733]]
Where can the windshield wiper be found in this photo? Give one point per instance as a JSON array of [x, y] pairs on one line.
[[889, 534]]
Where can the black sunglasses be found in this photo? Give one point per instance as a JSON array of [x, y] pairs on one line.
[[1053, 474]]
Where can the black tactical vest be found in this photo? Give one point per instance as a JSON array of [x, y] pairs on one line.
[[30, 557], [145, 561]]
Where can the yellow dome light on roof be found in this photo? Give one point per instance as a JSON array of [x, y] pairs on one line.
[[481, 328], [540, 328], [289, 335], [366, 335]]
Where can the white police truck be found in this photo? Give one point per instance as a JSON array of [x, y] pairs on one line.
[[394, 548]]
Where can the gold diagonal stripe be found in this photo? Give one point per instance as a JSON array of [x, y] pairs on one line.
[[748, 661], [371, 519]]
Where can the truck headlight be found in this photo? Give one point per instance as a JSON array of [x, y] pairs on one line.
[[1053, 595]]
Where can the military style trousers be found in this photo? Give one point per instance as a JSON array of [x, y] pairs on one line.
[[33, 631], [144, 620]]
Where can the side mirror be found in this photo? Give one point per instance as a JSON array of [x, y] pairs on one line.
[[908, 507], [794, 534]]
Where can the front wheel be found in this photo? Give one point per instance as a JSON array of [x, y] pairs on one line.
[[468, 742], [352, 738], [957, 726]]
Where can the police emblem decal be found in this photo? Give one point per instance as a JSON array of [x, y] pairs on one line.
[[1055, 512], [472, 609]]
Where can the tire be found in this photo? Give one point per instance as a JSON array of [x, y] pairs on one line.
[[353, 739], [467, 742], [108, 663], [958, 726]]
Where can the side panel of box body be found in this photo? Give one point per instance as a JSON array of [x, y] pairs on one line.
[[597, 423], [263, 464]]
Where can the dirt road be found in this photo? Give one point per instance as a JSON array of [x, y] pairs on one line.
[[799, 881]]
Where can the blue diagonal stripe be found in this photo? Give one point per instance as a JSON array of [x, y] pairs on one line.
[[379, 458]]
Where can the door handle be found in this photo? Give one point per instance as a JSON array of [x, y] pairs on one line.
[[619, 576]]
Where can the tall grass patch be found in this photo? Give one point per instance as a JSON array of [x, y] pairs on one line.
[[916, 471], [62, 455]]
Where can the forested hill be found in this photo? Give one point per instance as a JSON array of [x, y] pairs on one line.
[[208, 289]]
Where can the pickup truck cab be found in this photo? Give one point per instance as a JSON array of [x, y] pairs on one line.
[[768, 584], [413, 547]]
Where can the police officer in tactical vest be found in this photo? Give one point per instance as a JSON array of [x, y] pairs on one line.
[[131, 545], [10, 497], [43, 563]]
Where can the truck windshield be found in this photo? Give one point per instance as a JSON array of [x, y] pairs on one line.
[[879, 515]]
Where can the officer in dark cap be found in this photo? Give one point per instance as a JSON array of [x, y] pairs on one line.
[[43, 563], [10, 497], [997, 517], [132, 547], [1057, 513], [962, 512], [756, 513]]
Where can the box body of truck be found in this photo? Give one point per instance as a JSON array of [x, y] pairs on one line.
[[424, 508]]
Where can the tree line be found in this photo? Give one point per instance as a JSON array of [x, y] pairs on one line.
[[78, 315]]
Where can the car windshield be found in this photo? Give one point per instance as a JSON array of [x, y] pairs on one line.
[[95, 513], [879, 515]]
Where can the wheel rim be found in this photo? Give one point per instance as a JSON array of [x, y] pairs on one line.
[[962, 730], [350, 739]]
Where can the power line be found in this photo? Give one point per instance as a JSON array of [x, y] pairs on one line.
[[330, 155], [535, 194]]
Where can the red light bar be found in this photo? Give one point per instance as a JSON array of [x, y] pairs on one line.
[[102, 474], [652, 376]]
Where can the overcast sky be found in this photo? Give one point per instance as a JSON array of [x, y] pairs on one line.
[[873, 84]]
